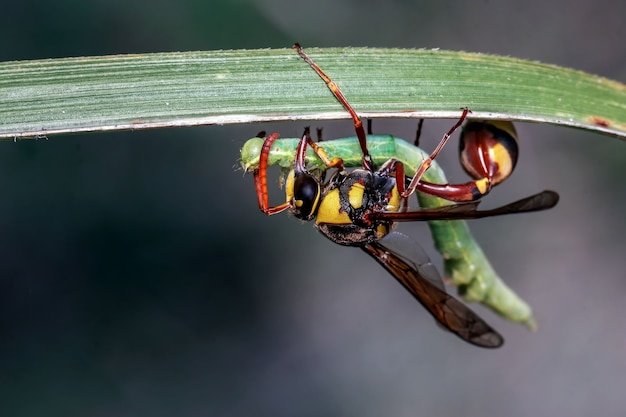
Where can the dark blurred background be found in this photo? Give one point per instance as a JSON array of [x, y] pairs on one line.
[[138, 278]]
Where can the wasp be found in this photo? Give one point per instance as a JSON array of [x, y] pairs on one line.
[[361, 207]]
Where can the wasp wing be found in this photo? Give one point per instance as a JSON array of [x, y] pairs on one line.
[[541, 201], [448, 311]]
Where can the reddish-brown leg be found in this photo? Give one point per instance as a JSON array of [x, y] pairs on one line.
[[260, 175], [358, 125], [260, 179], [428, 161]]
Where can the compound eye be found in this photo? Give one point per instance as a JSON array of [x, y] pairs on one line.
[[306, 196]]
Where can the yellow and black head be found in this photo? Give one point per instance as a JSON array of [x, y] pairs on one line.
[[303, 192]]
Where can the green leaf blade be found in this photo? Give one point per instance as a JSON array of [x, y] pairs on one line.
[[219, 87]]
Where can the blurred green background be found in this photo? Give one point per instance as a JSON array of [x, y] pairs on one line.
[[138, 278]]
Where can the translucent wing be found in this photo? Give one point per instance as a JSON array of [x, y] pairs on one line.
[[448, 311]]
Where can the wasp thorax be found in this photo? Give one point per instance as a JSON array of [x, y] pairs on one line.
[[347, 202]]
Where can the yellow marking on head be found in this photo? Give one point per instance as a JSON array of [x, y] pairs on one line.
[[289, 184]]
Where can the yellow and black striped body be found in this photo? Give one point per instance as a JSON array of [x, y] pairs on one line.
[[342, 209]]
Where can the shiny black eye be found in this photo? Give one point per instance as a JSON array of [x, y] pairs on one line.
[[306, 194]]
